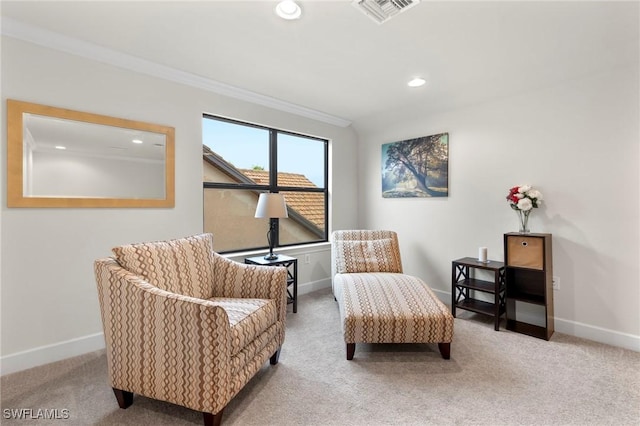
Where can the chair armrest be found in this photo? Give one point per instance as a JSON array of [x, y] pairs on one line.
[[161, 344], [235, 279]]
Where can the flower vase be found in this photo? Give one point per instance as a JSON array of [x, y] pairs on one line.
[[523, 217]]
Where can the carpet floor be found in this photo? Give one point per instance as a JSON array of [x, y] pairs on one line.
[[492, 378]]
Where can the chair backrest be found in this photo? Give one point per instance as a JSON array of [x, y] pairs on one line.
[[183, 266], [356, 251]]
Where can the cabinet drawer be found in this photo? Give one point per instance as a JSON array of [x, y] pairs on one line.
[[525, 252]]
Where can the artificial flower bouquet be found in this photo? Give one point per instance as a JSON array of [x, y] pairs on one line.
[[524, 198]]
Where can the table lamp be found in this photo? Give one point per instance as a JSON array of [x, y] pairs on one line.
[[272, 206]]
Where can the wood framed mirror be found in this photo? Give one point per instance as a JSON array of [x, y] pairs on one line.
[[63, 158]]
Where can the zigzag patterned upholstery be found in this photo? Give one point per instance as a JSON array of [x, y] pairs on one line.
[[355, 251], [377, 302], [185, 325]]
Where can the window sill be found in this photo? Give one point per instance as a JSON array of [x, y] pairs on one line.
[[289, 250]]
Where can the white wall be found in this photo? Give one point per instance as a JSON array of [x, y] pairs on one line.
[[577, 143], [49, 305]]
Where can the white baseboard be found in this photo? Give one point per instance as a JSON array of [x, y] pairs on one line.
[[50, 353], [598, 334], [444, 296], [313, 286], [55, 352], [577, 329], [58, 351]]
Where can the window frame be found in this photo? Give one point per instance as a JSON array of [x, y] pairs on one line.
[[273, 186]]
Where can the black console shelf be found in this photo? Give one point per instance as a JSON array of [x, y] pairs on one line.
[[465, 288]]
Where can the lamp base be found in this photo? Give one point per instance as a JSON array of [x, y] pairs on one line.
[[271, 256]]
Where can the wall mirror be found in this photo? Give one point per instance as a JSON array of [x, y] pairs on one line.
[[62, 158]]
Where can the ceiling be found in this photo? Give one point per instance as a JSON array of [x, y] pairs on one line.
[[46, 133], [335, 60]]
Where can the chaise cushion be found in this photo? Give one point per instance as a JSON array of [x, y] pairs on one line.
[[182, 266], [356, 256], [391, 308]]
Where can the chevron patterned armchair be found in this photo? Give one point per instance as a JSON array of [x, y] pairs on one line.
[[185, 325]]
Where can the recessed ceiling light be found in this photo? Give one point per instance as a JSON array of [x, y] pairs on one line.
[[136, 141], [60, 147], [416, 82], [288, 9]]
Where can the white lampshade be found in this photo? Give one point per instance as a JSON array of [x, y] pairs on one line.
[[271, 205]]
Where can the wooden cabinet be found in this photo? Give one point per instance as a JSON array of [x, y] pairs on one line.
[[529, 279], [466, 288]]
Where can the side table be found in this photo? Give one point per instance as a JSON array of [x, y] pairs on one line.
[[464, 286], [291, 263]]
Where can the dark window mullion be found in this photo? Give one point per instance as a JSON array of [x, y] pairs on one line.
[[273, 160], [273, 179], [326, 191], [221, 185], [299, 189]]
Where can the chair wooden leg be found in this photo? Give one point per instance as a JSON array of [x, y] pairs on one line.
[[445, 350], [275, 357], [212, 419], [351, 349], [125, 399]]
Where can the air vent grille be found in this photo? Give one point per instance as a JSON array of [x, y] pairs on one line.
[[383, 10]]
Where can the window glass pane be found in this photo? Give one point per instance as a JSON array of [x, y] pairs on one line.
[[303, 157], [306, 222], [235, 153], [229, 216], [236, 160]]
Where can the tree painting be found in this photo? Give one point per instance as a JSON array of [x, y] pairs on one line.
[[416, 167]]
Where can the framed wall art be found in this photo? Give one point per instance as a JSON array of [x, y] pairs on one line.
[[416, 167]]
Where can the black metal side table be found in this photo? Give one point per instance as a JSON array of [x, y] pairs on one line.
[[291, 263]]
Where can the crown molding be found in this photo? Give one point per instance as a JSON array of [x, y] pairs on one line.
[[57, 41]]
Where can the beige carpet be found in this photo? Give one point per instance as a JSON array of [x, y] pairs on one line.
[[493, 378]]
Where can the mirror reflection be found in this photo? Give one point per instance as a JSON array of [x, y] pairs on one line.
[[61, 158], [66, 158]]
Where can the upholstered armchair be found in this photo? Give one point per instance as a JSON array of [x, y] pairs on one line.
[[185, 325]]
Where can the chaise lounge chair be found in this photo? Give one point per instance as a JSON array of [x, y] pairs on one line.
[[379, 303]]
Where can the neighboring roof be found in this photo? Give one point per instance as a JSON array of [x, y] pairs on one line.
[[223, 165], [307, 208], [308, 204]]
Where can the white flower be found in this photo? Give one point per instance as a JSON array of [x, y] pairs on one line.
[[524, 198], [525, 204], [535, 194]]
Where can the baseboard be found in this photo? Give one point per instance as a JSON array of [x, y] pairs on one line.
[[574, 328], [597, 334], [314, 286], [50, 353], [58, 351], [46, 354], [444, 296]]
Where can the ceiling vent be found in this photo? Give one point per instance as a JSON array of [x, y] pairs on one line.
[[383, 10]]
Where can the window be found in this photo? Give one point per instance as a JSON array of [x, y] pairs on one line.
[[242, 160]]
